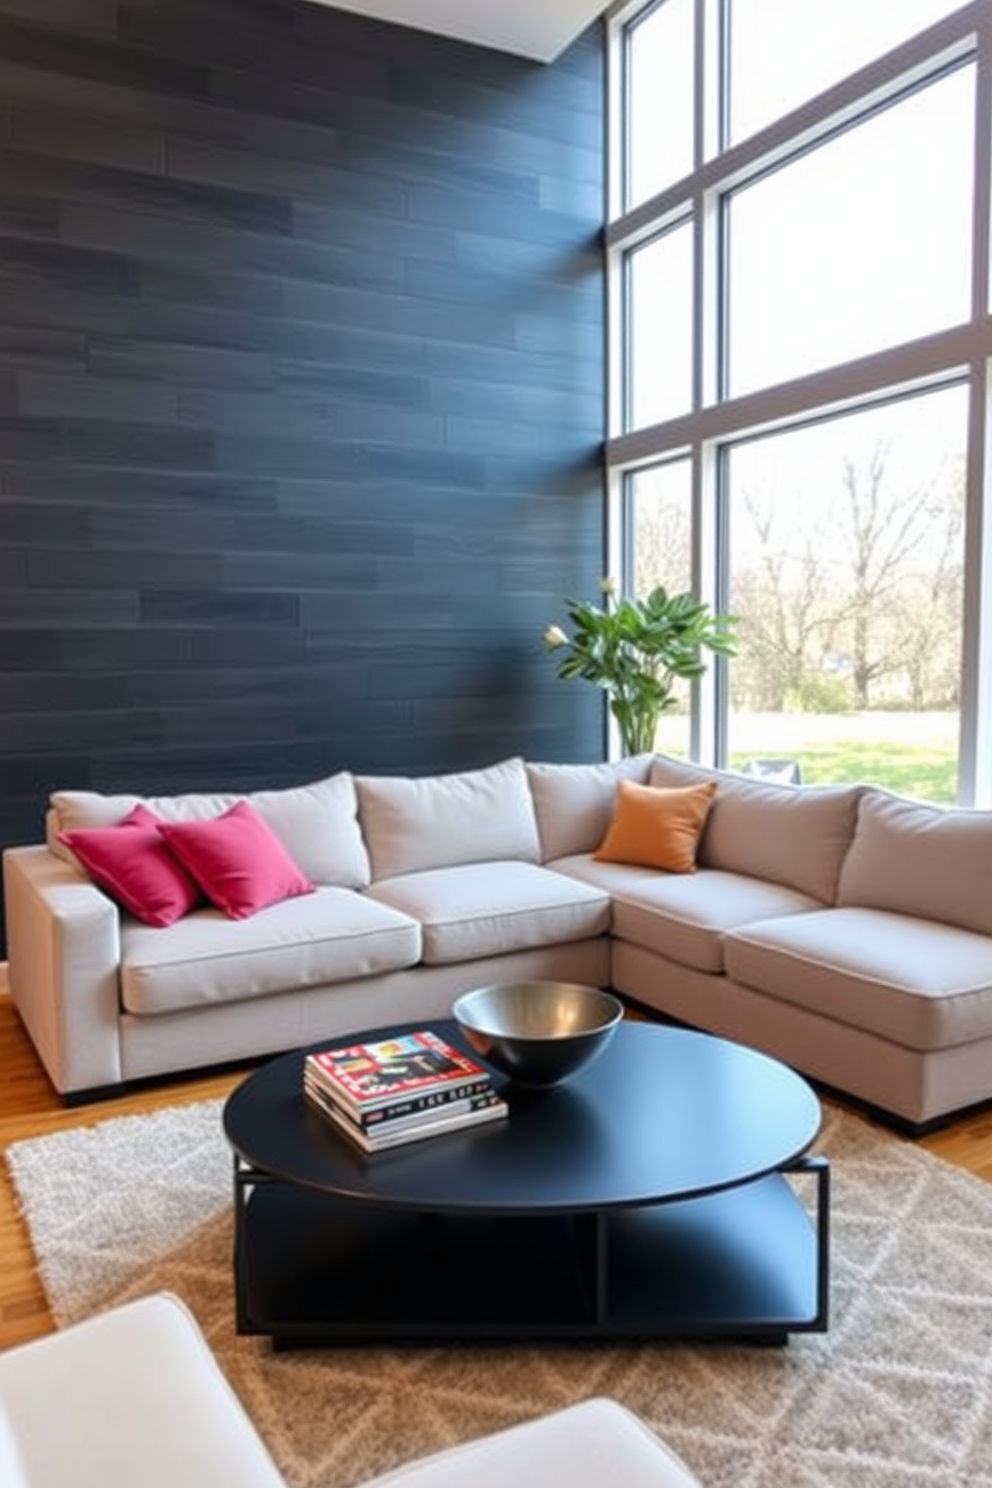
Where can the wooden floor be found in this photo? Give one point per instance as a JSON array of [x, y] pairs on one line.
[[29, 1107]]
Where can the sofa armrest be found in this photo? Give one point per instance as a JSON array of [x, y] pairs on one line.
[[63, 949]]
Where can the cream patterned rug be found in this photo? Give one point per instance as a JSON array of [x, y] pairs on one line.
[[898, 1394]]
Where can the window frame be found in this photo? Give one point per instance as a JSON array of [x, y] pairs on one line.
[[715, 420]]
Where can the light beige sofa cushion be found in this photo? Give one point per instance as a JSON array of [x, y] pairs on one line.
[[333, 935], [791, 834], [318, 826], [683, 917], [69, 810], [574, 804], [927, 861], [479, 816], [923, 985], [317, 823], [490, 909]]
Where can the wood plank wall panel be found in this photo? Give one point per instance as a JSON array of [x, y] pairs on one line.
[[301, 396]]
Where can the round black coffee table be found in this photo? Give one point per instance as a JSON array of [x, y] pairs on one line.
[[644, 1198]]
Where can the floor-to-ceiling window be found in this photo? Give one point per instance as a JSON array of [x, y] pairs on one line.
[[798, 246]]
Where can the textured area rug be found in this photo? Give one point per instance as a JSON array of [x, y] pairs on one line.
[[898, 1394]]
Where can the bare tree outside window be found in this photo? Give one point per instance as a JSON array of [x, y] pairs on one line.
[[847, 544], [659, 511], [904, 546]]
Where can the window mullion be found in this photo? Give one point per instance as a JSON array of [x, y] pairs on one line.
[[975, 744], [942, 356]]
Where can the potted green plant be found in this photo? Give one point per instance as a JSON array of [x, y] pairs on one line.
[[635, 649]]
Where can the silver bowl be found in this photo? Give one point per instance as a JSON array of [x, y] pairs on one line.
[[538, 1033]]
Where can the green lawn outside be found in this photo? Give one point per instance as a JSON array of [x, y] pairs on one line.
[[912, 753]]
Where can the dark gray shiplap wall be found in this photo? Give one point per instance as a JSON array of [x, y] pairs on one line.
[[301, 396]]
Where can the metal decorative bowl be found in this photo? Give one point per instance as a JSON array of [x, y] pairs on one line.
[[538, 1033]]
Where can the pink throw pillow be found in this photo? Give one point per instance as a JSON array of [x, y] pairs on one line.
[[237, 860], [135, 866]]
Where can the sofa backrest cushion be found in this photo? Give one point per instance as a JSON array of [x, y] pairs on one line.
[[574, 804], [438, 821], [932, 862], [317, 824], [796, 835]]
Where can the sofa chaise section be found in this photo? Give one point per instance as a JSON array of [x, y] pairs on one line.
[[889, 992], [880, 986]]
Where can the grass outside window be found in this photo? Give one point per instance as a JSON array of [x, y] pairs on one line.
[[914, 754]]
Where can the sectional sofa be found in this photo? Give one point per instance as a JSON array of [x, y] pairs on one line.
[[843, 929]]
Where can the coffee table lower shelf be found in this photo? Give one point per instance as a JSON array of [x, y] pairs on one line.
[[312, 1270]]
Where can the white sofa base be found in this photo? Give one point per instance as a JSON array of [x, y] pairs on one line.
[[229, 1032], [135, 1397]]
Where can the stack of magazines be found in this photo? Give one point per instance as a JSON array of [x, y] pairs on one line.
[[400, 1089]]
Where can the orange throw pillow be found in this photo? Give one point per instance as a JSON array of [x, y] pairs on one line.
[[655, 827]]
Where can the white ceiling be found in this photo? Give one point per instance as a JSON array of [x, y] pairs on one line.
[[539, 29]]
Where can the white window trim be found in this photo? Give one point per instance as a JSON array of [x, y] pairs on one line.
[[964, 350]]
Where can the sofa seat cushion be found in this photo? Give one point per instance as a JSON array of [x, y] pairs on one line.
[[489, 909], [795, 835], [684, 917], [333, 935], [920, 984]]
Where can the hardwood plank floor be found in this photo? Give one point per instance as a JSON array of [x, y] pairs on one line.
[[30, 1107]]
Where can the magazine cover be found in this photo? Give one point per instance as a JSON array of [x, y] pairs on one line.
[[410, 1064]]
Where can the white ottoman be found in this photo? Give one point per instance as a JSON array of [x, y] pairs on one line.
[[134, 1398], [595, 1444]]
